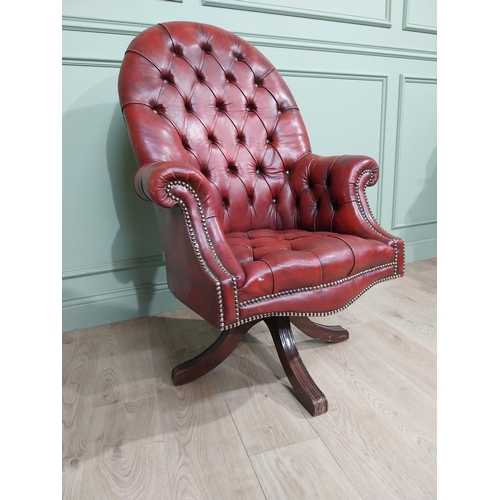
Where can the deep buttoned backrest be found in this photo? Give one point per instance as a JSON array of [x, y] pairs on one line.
[[198, 94]]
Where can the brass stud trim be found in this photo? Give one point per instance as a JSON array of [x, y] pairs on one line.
[[317, 287], [311, 314], [195, 244]]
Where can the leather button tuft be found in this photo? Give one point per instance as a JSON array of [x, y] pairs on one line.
[[220, 106], [177, 50], [168, 78], [199, 75], [275, 200], [206, 47], [158, 108]]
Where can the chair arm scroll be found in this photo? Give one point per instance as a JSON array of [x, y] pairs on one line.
[[170, 183], [345, 179], [155, 182]]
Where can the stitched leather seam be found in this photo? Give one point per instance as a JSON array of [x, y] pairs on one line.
[[130, 103], [148, 106], [339, 237], [272, 272], [133, 51], [319, 260]]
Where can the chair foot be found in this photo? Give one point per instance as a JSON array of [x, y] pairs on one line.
[[206, 361], [306, 391], [326, 333]]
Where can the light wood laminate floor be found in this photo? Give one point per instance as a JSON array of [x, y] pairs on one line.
[[238, 432]]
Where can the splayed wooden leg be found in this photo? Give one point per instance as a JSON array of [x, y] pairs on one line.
[[326, 333], [306, 391], [211, 357]]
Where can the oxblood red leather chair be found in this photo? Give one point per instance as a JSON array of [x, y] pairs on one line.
[[254, 225]]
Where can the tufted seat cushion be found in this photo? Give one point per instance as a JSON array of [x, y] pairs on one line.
[[278, 261]]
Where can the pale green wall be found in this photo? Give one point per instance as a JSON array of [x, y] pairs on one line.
[[362, 71]]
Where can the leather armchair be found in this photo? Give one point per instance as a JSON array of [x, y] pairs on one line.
[[253, 224]]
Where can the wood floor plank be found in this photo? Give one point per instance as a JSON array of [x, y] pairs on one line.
[[428, 281], [260, 404], [124, 370], [422, 265], [410, 291], [125, 456], [410, 358], [419, 281], [379, 462], [174, 339], [83, 335], [409, 317], [206, 459], [249, 388], [301, 471], [78, 365], [403, 406]]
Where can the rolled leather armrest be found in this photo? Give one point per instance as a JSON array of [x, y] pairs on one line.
[[168, 183], [345, 179], [154, 181]]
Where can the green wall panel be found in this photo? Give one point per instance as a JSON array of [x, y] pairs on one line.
[[363, 74], [372, 13], [420, 16], [416, 162]]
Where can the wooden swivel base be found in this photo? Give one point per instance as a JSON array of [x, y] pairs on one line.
[[306, 391]]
